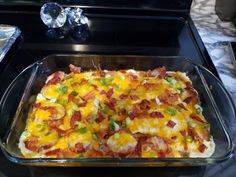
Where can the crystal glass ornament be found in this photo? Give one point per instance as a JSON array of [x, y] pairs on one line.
[[75, 16], [53, 15]]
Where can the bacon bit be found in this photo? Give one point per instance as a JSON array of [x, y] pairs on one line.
[[83, 81], [181, 105], [123, 112], [79, 148], [183, 133], [123, 96], [95, 87], [173, 137], [100, 117], [89, 95], [169, 98], [188, 100], [132, 115], [32, 144], [53, 152], [75, 117], [171, 124], [159, 72], [123, 71], [197, 118], [103, 92], [191, 133], [37, 105], [57, 77], [111, 104], [75, 84], [54, 123], [109, 93], [144, 105], [134, 97], [193, 94], [63, 132], [71, 97], [102, 133], [142, 114], [82, 104], [150, 85], [132, 77], [161, 154], [201, 148], [75, 69], [156, 114]]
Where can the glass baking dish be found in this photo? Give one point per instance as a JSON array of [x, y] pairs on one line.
[[21, 93]]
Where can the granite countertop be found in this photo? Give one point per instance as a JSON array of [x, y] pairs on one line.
[[216, 34]]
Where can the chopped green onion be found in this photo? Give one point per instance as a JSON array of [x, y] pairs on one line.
[[63, 89], [64, 102], [83, 130], [106, 81], [198, 109], [48, 133], [123, 124], [178, 90], [94, 135], [205, 125], [103, 109], [81, 155], [171, 111], [153, 153], [116, 135], [43, 127], [75, 93], [189, 139], [192, 124], [38, 125], [171, 81], [112, 124]]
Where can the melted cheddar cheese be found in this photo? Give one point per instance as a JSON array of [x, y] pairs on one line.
[[124, 113]]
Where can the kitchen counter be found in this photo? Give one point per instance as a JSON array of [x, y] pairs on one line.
[[215, 35]]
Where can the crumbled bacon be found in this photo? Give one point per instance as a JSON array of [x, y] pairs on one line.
[[109, 93], [103, 92], [133, 77], [181, 105], [111, 104], [57, 77], [95, 87], [134, 97], [201, 148], [75, 117], [144, 105], [83, 81], [161, 154], [79, 148], [122, 112], [169, 98], [196, 117], [132, 115], [71, 97], [37, 105], [156, 114], [142, 114], [171, 124], [32, 144], [159, 72], [75, 69], [53, 152], [54, 123], [187, 100], [89, 95], [100, 117], [82, 104], [183, 133], [123, 96]]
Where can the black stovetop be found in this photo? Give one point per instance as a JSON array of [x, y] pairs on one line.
[[139, 33]]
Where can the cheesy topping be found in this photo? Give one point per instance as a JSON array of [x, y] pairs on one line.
[[124, 113]]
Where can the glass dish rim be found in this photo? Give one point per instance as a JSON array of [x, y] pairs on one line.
[[120, 161]]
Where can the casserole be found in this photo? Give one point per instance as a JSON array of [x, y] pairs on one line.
[[31, 80]]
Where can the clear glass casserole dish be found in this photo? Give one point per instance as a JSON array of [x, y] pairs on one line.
[[218, 108]]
